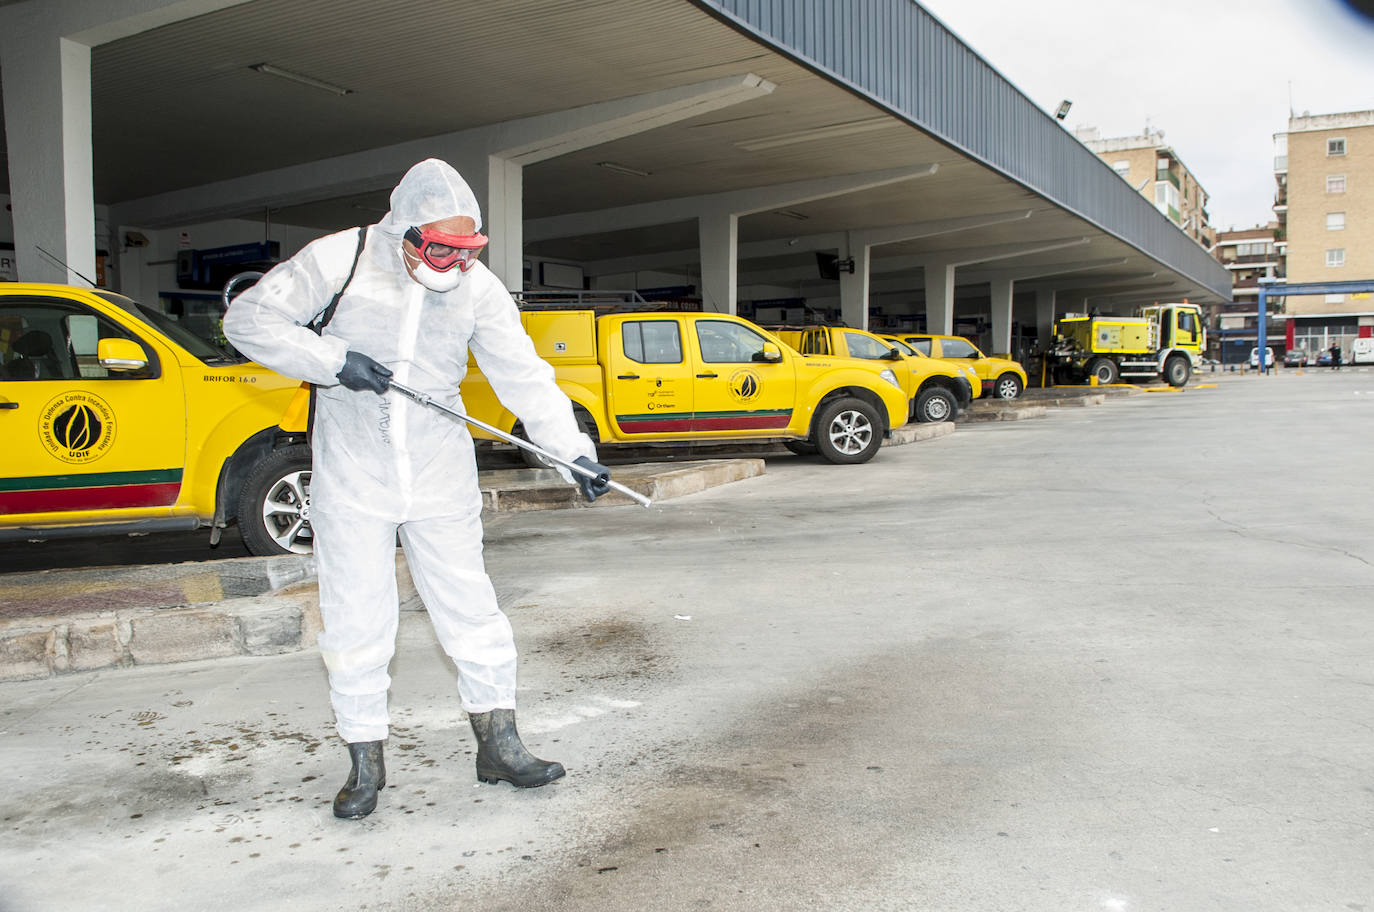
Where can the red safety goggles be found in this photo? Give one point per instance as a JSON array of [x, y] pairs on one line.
[[444, 251]]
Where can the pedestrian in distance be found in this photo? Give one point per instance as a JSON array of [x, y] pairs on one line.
[[415, 300], [1335, 355]]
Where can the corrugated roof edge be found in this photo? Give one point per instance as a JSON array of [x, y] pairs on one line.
[[1103, 199]]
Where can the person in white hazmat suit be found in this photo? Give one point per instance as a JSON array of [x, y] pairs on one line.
[[418, 301]]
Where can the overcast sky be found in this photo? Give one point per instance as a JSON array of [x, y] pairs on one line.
[[1214, 75]]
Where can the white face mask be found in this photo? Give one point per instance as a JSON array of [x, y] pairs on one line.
[[430, 277]]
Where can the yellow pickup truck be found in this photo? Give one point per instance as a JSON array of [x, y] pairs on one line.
[[653, 377], [1002, 378], [936, 389], [116, 419]]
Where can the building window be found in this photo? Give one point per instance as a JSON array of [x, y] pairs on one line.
[[1335, 146], [1335, 257], [1335, 183], [1166, 199], [1335, 221], [1122, 167]]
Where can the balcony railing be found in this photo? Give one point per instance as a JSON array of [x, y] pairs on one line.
[[1281, 163], [1175, 215], [1163, 174]]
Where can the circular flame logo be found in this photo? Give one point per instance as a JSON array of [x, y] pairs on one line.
[[77, 427], [745, 385]]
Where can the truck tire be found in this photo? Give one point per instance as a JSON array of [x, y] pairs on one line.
[[1177, 370], [1105, 370], [1008, 386], [802, 447], [848, 431], [936, 404], [274, 504]]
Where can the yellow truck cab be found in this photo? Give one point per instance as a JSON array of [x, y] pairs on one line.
[[935, 390], [1002, 378], [116, 419], [660, 376], [1162, 341]]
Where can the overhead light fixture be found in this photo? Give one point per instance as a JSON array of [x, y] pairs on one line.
[[622, 169], [1063, 110], [794, 214], [848, 128], [304, 80]]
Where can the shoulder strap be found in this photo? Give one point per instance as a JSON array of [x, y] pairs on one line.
[[323, 319]]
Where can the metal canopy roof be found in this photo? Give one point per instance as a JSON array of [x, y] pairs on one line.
[[179, 106]]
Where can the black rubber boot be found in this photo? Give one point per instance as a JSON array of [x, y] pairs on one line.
[[358, 797], [501, 755]]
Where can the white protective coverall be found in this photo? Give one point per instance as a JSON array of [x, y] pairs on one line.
[[385, 463]]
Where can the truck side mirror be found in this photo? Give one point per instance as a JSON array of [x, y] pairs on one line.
[[769, 353], [892, 355], [121, 355]]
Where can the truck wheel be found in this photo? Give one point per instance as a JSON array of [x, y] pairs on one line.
[[848, 431], [936, 404], [274, 505], [585, 424], [1177, 370], [1105, 370], [802, 447], [1008, 386]]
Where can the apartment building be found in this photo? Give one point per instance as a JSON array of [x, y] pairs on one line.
[[1154, 169], [1250, 255], [1324, 170]]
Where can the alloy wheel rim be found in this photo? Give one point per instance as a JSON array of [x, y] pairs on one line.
[[851, 432], [286, 512], [1007, 389]]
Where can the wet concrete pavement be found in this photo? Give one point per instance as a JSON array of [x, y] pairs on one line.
[[1116, 659]]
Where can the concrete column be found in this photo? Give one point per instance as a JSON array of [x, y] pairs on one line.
[[718, 232], [939, 282], [1044, 316], [504, 215], [1001, 316], [854, 286], [47, 104]]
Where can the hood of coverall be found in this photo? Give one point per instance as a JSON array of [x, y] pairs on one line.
[[430, 191]]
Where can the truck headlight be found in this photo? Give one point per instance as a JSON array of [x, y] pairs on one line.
[[890, 377]]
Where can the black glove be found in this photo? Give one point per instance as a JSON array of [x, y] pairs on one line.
[[362, 373], [592, 488]]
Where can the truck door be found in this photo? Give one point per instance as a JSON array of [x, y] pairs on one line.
[[737, 392], [649, 381], [78, 436], [1187, 329]]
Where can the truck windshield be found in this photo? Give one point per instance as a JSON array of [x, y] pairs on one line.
[[201, 348], [904, 348]]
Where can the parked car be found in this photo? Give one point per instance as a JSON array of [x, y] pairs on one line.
[[1324, 358], [1268, 357], [1002, 377], [116, 418], [936, 390], [1362, 351], [1295, 357]]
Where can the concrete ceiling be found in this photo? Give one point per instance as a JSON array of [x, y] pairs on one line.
[[179, 106]]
